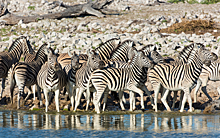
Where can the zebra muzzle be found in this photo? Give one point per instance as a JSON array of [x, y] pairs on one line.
[[215, 57], [207, 62], [101, 64]]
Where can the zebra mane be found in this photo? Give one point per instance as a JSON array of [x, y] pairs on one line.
[[13, 45], [100, 45], [148, 47], [194, 52], [121, 45], [40, 52], [186, 52]]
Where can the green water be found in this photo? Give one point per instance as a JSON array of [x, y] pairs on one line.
[[34, 124]]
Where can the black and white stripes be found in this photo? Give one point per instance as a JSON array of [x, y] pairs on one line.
[[119, 79], [180, 77], [51, 78], [7, 59]]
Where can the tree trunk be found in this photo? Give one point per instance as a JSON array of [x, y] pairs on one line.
[[97, 8]]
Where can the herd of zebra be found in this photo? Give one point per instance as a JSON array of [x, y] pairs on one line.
[[114, 66]]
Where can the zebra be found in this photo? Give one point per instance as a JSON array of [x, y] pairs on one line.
[[208, 73], [51, 77], [82, 75], [119, 79], [180, 77], [71, 79], [151, 52], [25, 74], [7, 59]]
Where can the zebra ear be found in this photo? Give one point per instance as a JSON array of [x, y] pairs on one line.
[[48, 51], [88, 52], [153, 48], [69, 53], [131, 53]]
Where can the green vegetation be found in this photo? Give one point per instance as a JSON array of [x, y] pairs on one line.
[[6, 39], [164, 21], [31, 8]]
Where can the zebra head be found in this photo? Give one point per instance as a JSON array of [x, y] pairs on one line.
[[94, 60], [143, 60], [74, 59], [52, 59], [206, 56], [155, 57]]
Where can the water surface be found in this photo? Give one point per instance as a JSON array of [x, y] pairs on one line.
[[25, 124]]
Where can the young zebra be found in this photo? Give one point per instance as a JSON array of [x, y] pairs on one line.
[[208, 73], [82, 75], [7, 59], [51, 78], [180, 76], [71, 74], [119, 79], [25, 74]]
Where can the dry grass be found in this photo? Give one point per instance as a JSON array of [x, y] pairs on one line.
[[192, 26]]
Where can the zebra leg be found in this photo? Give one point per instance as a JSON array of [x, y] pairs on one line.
[[12, 86], [134, 101], [39, 95], [156, 88], [181, 98], [190, 102], [3, 86], [20, 92], [47, 99], [199, 82], [131, 93], [120, 93], [105, 100], [174, 99], [69, 90], [34, 91], [144, 88], [163, 99], [78, 97], [185, 97], [89, 98], [140, 92], [96, 99], [29, 93], [57, 93], [206, 93]]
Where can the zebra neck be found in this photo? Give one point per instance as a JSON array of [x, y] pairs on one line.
[[52, 73], [195, 67], [135, 71]]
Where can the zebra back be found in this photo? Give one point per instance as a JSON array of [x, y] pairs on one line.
[[106, 49], [64, 59], [29, 57]]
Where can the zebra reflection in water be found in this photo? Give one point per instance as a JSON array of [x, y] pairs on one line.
[[132, 122]]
